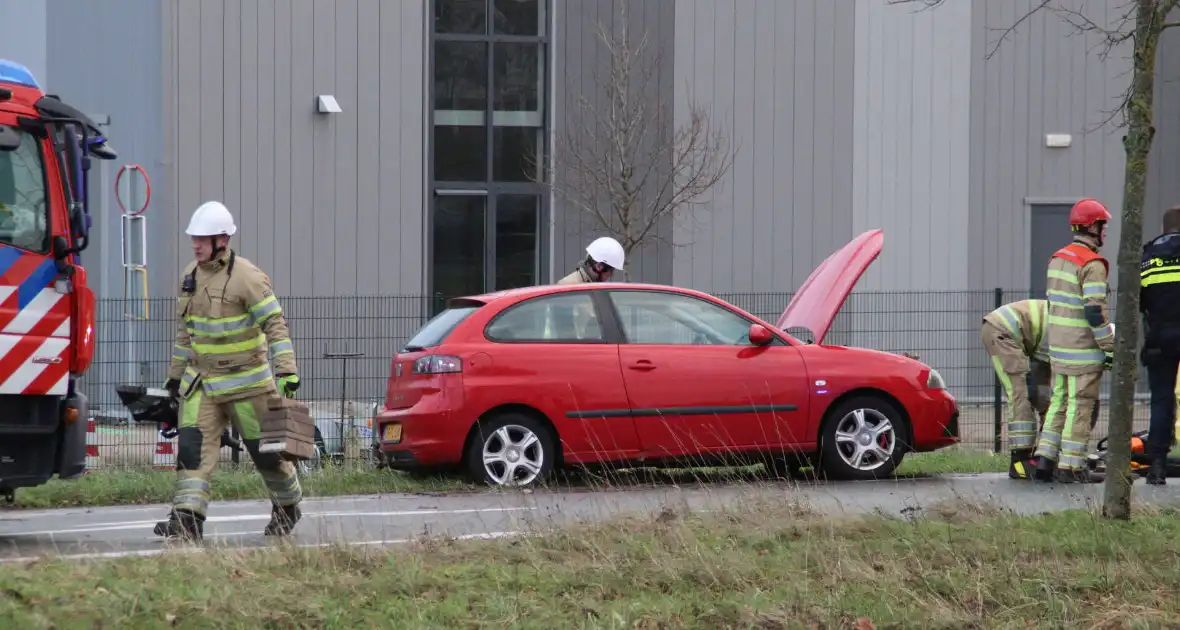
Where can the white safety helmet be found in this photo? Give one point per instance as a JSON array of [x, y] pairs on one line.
[[211, 218], [606, 250]]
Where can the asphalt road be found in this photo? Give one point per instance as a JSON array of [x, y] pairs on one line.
[[89, 533]]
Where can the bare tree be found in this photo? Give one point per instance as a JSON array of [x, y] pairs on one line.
[[624, 163], [1141, 23]]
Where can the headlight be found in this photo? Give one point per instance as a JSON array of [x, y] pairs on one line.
[[934, 380]]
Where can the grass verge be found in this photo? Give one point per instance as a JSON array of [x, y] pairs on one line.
[[758, 566], [143, 487]]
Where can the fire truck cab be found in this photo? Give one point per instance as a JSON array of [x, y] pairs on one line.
[[46, 308]]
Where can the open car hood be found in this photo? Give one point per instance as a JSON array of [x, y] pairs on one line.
[[819, 299]]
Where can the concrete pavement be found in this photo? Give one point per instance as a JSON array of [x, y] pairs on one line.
[[379, 520]]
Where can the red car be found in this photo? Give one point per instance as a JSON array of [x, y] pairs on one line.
[[515, 384]]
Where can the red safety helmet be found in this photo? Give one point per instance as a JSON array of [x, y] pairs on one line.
[[1087, 212]]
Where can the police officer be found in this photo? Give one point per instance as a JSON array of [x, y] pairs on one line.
[[1159, 301], [229, 326], [603, 257]]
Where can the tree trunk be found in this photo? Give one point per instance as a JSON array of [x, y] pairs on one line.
[[1137, 143]]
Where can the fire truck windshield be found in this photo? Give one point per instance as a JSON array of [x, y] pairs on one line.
[[24, 209]]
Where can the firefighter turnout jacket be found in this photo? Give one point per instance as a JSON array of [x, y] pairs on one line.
[[578, 276], [1026, 321], [1079, 334], [228, 322], [1159, 295]]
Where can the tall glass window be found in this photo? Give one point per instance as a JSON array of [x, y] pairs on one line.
[[490, 97]]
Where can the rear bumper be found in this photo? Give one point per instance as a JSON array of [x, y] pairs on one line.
[[428, 440]]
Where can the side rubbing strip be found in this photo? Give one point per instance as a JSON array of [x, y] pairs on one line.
[[679, 411]]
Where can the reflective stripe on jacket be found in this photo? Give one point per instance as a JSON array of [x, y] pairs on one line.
[[1026, 321], [1076, 279], [228, 331], [1159, 295]]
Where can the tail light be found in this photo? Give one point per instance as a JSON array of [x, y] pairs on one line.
[[438, 364]]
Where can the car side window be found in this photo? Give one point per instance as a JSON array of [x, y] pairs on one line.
[[652, 317], [559, 318]]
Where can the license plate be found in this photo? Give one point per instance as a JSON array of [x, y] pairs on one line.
[[392, 433]]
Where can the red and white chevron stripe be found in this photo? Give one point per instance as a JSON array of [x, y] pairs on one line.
[[34, 343]]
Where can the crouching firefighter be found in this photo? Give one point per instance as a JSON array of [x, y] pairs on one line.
[[1081, 343], [228, 322], [1014, 337]]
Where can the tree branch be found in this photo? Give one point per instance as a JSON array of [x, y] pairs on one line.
[[931, 4], [624, 160]]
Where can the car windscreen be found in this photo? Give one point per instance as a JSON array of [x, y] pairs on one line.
[[24, 198], [437, 329]]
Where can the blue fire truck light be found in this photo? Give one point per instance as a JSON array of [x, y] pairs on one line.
[[13, 72]]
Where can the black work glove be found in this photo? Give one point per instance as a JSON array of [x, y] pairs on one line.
[[173, 387], [1109, 361]]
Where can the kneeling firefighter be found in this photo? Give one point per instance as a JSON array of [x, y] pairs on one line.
[[1014, 336], [229, 326]]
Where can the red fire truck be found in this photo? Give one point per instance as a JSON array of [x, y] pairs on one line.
[[46, 308]]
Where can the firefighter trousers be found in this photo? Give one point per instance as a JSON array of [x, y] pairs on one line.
[[1012, 368], [202, 422], [1071, 416]]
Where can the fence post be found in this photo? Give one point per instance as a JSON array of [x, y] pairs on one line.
[[997, 392]]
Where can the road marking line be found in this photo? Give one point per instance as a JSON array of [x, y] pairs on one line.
[[125, 525], [109, 555]]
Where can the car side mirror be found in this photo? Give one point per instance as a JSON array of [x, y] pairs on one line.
[[759, 335]]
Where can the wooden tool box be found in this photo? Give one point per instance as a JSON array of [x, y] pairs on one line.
[[287, 429]]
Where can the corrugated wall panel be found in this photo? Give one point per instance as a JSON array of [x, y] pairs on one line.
[[579, 56], [1163, 189], [327, 204], [122, 79], [1045, 78], [912, 120], [787, 202], [24, 35]]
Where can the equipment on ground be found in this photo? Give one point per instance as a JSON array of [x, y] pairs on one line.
[[1140, 462], [155, 404]]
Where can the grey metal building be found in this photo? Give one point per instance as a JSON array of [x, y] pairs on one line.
[[847, 115]]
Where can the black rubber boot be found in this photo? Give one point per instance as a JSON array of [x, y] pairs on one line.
[[1044, 469], [1157, 475], [183, 525], [1022, 465], [282, 520]]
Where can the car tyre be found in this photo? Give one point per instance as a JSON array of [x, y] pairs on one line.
[[865, 429], [511, 450]]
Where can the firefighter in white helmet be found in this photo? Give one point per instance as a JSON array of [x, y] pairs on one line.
[[603, 257], [230, 327]]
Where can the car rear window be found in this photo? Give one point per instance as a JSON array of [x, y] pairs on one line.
[[437, 329]]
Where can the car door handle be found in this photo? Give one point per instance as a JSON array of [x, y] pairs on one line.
[[642, 365]]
